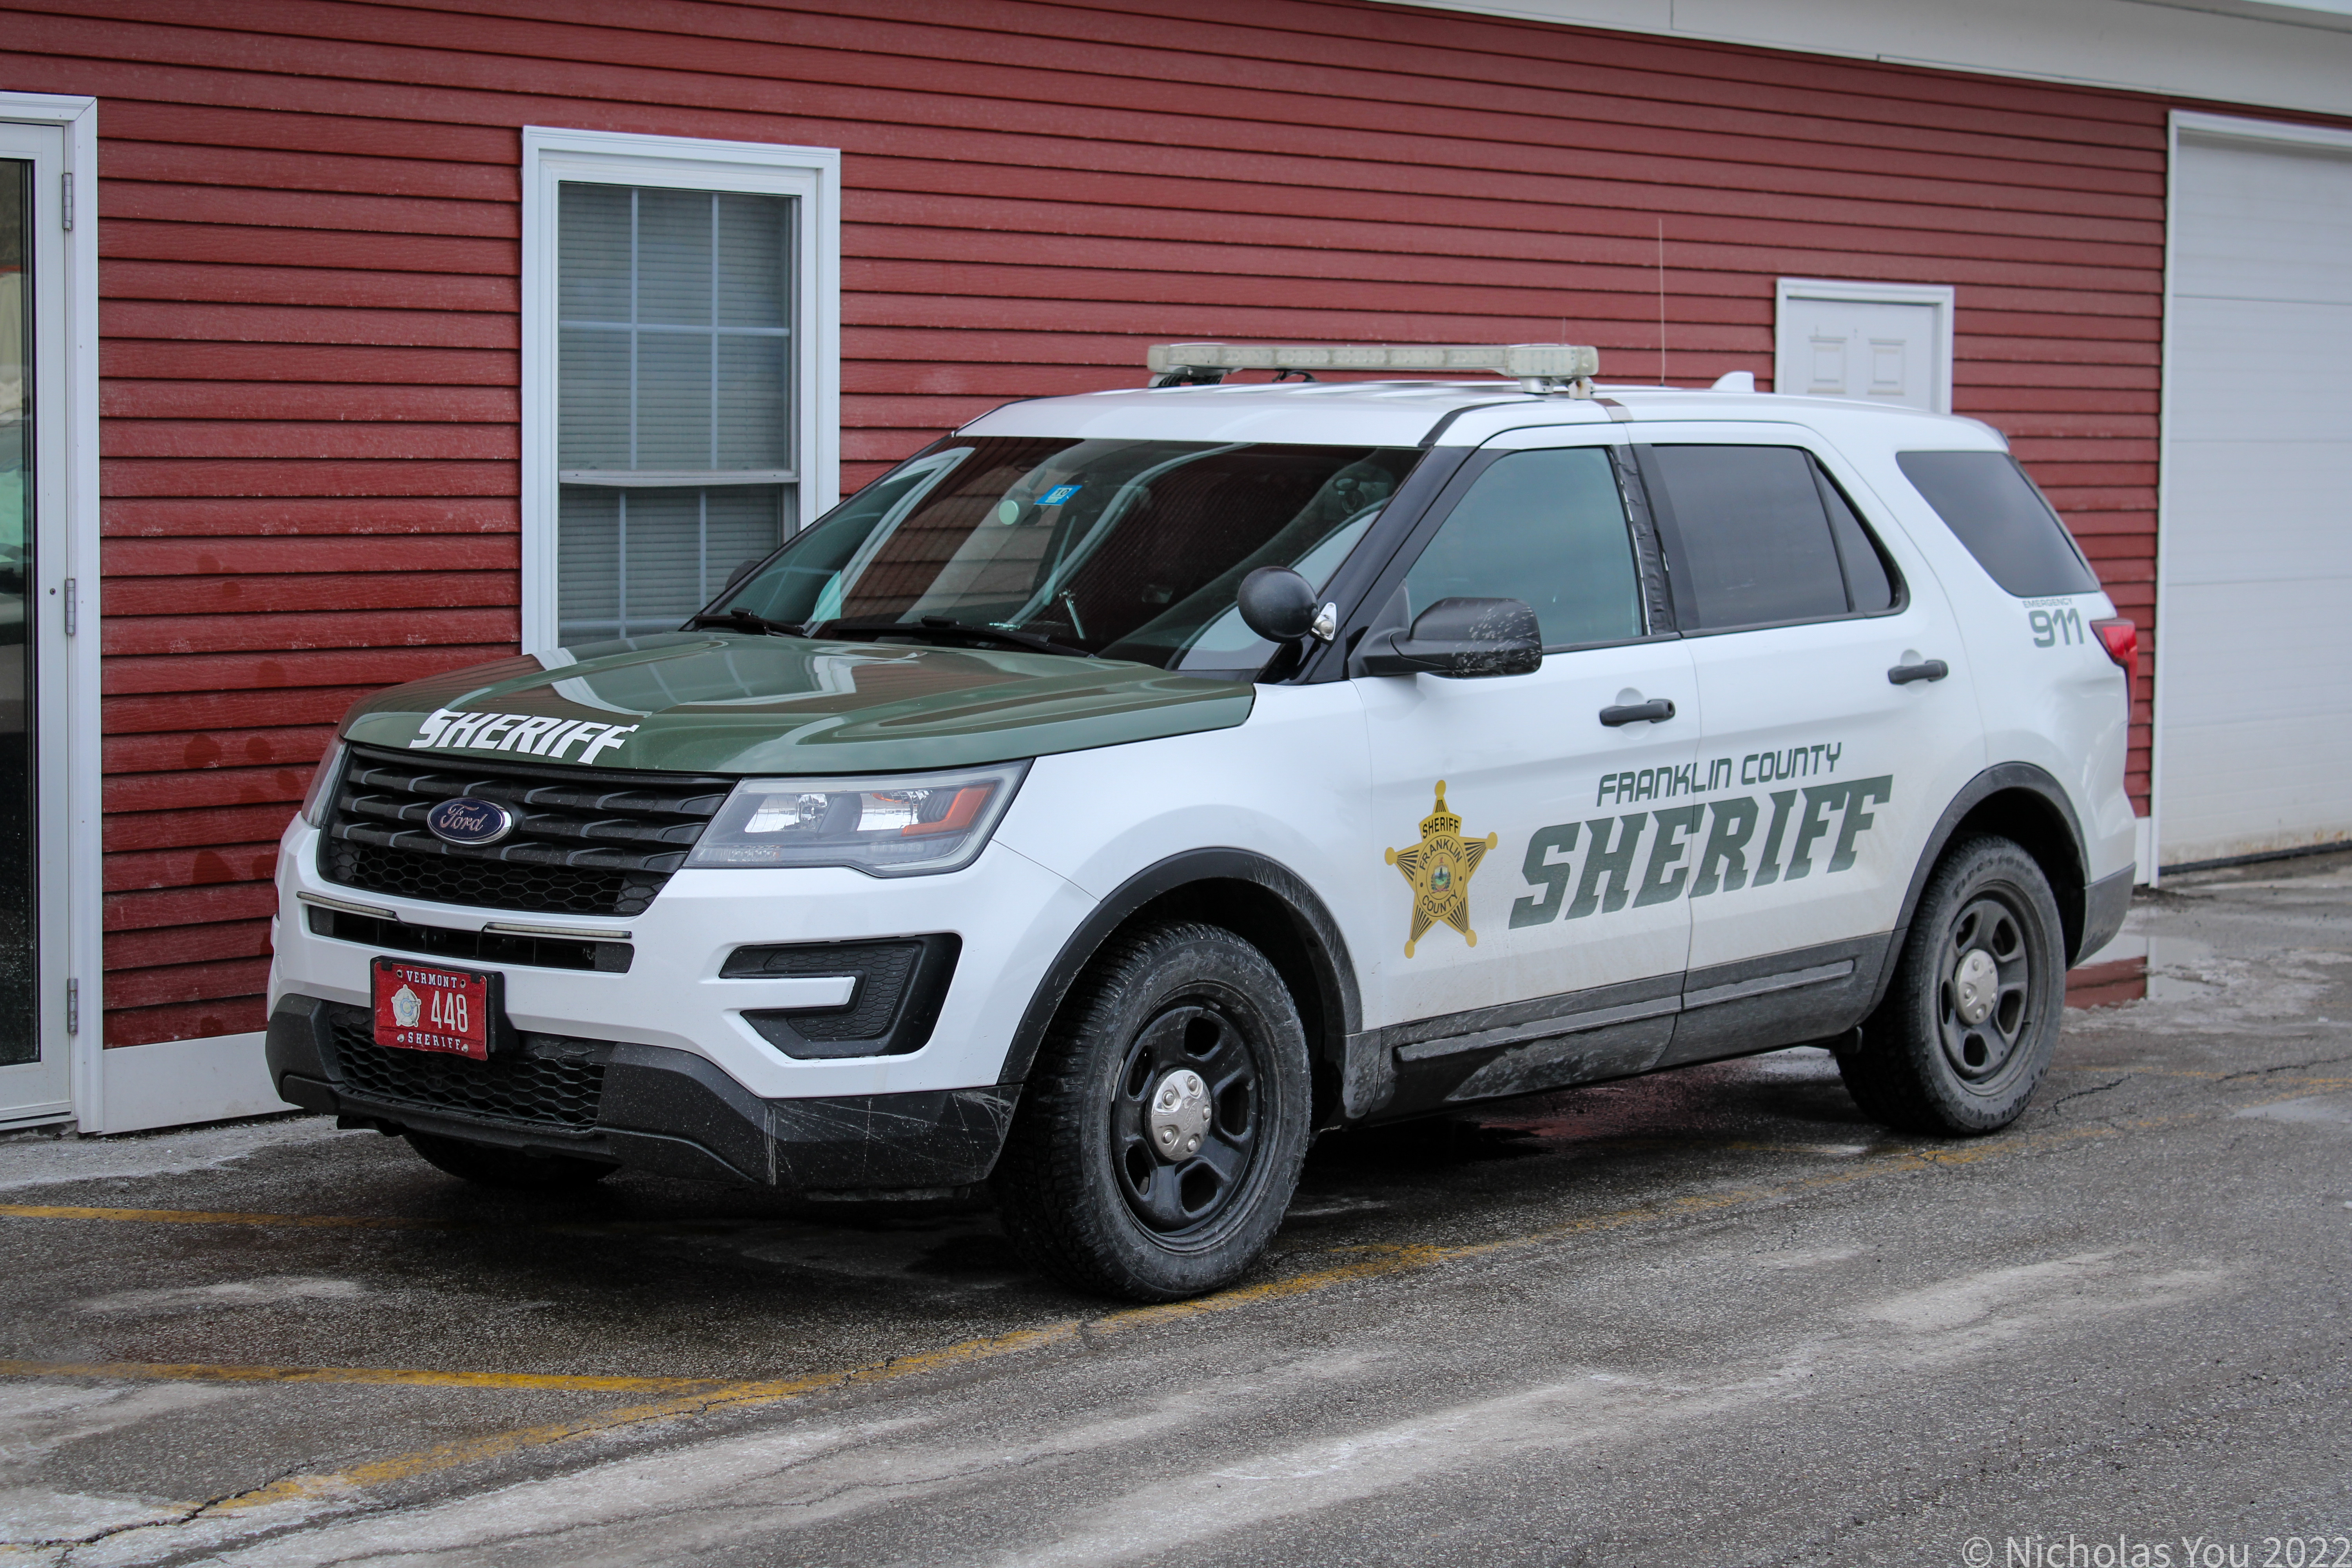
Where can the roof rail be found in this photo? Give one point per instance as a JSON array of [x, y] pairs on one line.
[[1538, 367]]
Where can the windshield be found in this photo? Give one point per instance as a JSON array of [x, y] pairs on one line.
[[1130, 549]]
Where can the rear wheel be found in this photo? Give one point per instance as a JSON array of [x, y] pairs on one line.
[[488, 1165], [1970, 1022], [1163, 1126]]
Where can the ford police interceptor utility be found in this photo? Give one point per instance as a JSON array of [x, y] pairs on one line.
[[1129, 786]]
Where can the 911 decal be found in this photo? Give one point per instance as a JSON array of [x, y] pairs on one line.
[[2057, 628], [528, 734], [1696, 850]]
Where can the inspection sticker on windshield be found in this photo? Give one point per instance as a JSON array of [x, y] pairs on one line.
[[1059, 494]]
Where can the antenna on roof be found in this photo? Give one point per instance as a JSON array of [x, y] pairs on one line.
[[1662, 301]]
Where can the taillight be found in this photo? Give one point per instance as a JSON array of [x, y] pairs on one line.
[[2121, 639]]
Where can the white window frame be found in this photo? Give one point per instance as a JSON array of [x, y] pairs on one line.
[[811, 174], [1787, 371]]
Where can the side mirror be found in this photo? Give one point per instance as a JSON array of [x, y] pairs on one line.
[[1461, 638], [742, 569], [1278, 603]]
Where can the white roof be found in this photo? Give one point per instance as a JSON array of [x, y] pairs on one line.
[[1403, 412]]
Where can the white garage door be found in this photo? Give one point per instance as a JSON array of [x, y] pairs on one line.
[[2256, 679]]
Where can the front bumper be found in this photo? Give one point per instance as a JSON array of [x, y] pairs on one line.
[[647, 1107], [1010, 915]]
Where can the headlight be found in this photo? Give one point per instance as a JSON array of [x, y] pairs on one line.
[[894, 825], [322, 793]]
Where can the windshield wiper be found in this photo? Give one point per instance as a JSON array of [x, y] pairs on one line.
[[742, 620], [942, 625]]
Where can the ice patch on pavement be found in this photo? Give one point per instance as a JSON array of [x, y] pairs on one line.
[[2323, 1110], [233, 1293], [30, 1516], [47, 1162]]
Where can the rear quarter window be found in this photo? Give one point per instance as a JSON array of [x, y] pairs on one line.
[[1985, 499]]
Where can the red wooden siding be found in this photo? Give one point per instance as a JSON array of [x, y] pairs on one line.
[[308, 218]]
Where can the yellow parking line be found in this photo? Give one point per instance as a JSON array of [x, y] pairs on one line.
[[418, 1378]]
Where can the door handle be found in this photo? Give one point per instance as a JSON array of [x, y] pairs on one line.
[[1926, 669], [1657, 710]]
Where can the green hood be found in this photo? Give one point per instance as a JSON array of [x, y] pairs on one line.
[[727, 702]]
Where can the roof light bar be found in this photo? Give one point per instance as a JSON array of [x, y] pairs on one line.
[[1538, 367]]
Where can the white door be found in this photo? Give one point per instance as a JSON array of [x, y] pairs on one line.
[[2255, 675], [32, 517], [1833, 341], [1503, 889], [1840, 717]]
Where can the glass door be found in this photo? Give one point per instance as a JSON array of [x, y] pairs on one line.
[[34, 994], [19, 893]]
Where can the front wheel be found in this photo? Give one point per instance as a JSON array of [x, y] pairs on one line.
[[1163, 1126], [1970, 1022]]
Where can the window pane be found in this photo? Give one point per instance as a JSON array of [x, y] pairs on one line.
[[1867, 583], [1986, 499], [673, 275], [752, 235], [1548, 528], [1749, 541], [593, 421], [634, 561], [753, 411], [593, 239], [673, 401], [588, 564]]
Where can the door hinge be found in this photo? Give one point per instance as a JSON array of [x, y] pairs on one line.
[[73, 620], [73, 1007], [65, 187]]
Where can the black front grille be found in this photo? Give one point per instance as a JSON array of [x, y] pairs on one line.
[[481, 946], [585, 842], [554, 1081]]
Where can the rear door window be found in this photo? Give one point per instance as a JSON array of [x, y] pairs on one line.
[[1985, 499], [1749, 537], [1546, 527]]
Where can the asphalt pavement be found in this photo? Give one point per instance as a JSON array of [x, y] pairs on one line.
[[1711, 1318]]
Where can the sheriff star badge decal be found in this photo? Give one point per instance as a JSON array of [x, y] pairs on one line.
[[1440, 867]]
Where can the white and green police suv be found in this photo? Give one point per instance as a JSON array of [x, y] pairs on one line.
[[1129, 786]]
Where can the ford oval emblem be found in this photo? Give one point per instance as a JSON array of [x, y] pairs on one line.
[[467, 820]]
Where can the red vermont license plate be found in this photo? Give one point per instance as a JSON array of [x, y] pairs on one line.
[[421, 1006]]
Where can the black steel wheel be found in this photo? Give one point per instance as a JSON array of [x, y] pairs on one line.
[[1985, 986], [1185, 1119], [1972, 1015], [1163, 1124]]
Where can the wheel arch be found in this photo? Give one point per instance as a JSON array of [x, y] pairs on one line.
[[2028, 805], [1258, 899]]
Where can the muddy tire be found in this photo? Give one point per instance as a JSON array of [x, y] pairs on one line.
[[1163, 1127], [1969, 1023], [486, 1164]]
